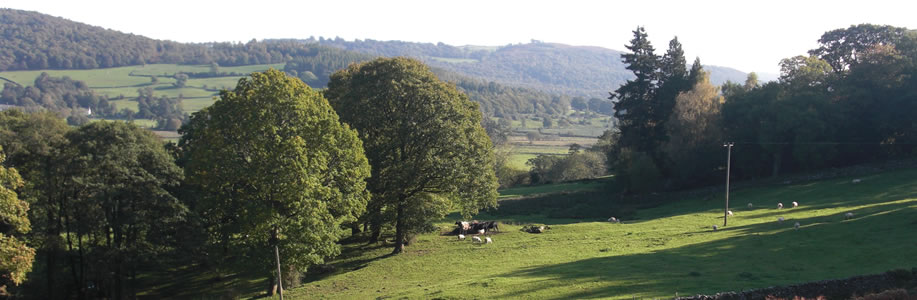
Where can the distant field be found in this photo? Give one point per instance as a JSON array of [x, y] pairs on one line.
[[557, 142], [196, 104], [115, 82], [454, 60]]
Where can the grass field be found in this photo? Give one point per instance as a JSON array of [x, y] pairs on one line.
[[115, 82], [661, 251], [521, 150]]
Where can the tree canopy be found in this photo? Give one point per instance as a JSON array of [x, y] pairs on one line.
[[276, 168], [423, 139], [15, 256]]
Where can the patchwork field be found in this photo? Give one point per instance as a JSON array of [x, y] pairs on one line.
[[657, 252], [125, 81]]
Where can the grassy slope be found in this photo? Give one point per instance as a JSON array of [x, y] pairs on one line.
[[665, 250]]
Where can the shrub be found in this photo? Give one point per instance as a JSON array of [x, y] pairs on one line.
[[638, 173]]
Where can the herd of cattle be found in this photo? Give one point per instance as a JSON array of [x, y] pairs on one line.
[[475, 227]]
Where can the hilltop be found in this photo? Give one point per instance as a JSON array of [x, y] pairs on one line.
[[574, 70]]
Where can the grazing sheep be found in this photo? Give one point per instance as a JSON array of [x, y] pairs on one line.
[[796, 226], [475, 239], [461, 237], [715, 228], [750, 206], [779, 205], [857, 180], [795, 204], [487, 240], [848, 216], [613, 220], [729, 212], [780, 219]]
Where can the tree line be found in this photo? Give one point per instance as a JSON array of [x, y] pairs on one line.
[[35, 41], [847, 102], [273, 165]]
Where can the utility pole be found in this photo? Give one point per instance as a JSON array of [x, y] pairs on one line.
[[728, 166]]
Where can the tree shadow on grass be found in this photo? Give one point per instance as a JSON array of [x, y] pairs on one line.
[[762, 255], [199, 282], [351, 259]]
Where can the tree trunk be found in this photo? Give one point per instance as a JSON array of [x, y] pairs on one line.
[[399, 229], [374, 216], [51, 267], [778, 158], [273, 280], [272, 285], [355, 228]]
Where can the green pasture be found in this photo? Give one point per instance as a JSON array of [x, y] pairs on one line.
[[195, 104], [116, 82], [656, 252], [517, 160]]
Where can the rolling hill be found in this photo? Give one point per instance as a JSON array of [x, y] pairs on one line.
[[574, 70]]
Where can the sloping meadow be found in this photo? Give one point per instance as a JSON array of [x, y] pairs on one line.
[[655, 252]]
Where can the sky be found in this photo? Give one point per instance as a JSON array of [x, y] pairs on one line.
[[748, 36]]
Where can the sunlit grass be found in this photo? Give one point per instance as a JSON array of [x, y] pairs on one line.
[[656, 253]]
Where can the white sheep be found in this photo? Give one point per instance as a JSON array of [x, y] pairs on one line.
[[475, 239], [779, 205], [715, 228], [613, 220], [729, 212], [488, 240], [480, 231], [749, 205], [848, 216], [796, 226], [857, 180], [780, 219], [795, 204], [461, 237]]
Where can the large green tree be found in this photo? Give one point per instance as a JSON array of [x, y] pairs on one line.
[[423, 139], [15, 256], [33, 143], [635, 107], [277, 169], [842, 48], [120, 213], [695, 131]]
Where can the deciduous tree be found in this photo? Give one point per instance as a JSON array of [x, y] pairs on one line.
[[422, 137], [277, 169]]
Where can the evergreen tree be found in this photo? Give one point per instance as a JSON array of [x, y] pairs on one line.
[[634, 108]]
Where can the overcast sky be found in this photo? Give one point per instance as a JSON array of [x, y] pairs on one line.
[[748, 37]]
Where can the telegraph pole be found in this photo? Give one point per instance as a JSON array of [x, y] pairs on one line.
[[728, 166]]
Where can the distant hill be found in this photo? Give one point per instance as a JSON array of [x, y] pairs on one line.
[[533, 78], [574, 70], [36, 41]]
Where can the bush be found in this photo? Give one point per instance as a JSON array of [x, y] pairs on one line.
[[638, 173], [576, 166]]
